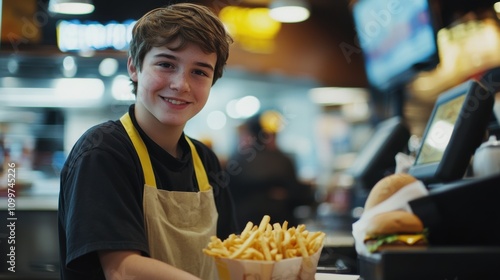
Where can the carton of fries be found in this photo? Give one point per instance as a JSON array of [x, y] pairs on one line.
[[267, 252]]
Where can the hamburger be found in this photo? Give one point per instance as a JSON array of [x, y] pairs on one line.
[[386, 187], [395, 230]]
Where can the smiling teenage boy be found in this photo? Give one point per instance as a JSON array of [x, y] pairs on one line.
[[139, 199]]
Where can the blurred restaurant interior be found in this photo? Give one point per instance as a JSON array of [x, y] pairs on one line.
[[61, 74]]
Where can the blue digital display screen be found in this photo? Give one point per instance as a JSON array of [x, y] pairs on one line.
[[397, 38]]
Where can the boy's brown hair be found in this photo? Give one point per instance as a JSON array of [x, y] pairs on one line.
[[186, 22]]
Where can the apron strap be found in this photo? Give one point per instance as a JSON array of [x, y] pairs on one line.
[[147, 168], [201, 174], [141, 150]]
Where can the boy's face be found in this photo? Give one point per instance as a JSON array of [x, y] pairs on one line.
[[173, 86]]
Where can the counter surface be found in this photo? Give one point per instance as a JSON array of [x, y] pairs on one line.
[[42, 195], [31, 203], [328, 276]]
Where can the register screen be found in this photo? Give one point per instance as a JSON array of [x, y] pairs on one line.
[[439, 132]]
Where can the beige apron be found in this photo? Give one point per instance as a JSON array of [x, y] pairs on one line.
[[178, 224]]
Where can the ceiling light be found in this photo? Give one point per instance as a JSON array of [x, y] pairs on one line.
[[108, 67], [216, 120], [289, 10], [496, 7], [71, 7], [121, 88]]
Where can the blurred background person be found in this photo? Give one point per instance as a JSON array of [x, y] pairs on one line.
[[263, 179]]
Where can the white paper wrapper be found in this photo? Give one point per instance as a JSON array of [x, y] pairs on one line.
[[403, 162], [287, 269], [398, 201]]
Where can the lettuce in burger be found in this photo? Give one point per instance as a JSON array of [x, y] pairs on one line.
[[395, 230]]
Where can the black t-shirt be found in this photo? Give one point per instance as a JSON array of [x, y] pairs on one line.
[[100, 202]]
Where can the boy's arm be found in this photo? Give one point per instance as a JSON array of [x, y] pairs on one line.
[[118, 265]]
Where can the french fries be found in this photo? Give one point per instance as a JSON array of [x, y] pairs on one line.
[[266, 242]]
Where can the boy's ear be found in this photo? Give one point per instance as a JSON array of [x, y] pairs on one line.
[[132, 70]]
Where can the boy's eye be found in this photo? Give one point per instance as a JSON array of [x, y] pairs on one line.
[[166, 64], [199, 72]]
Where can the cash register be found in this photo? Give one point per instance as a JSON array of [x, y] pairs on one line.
[[461, 212]]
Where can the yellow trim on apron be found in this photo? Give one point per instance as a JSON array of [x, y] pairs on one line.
[[142, 152], [201, 177], [178, 224], [139, 145]]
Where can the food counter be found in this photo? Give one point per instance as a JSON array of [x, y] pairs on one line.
[[328, 276], [48, 202], [42, 195]]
